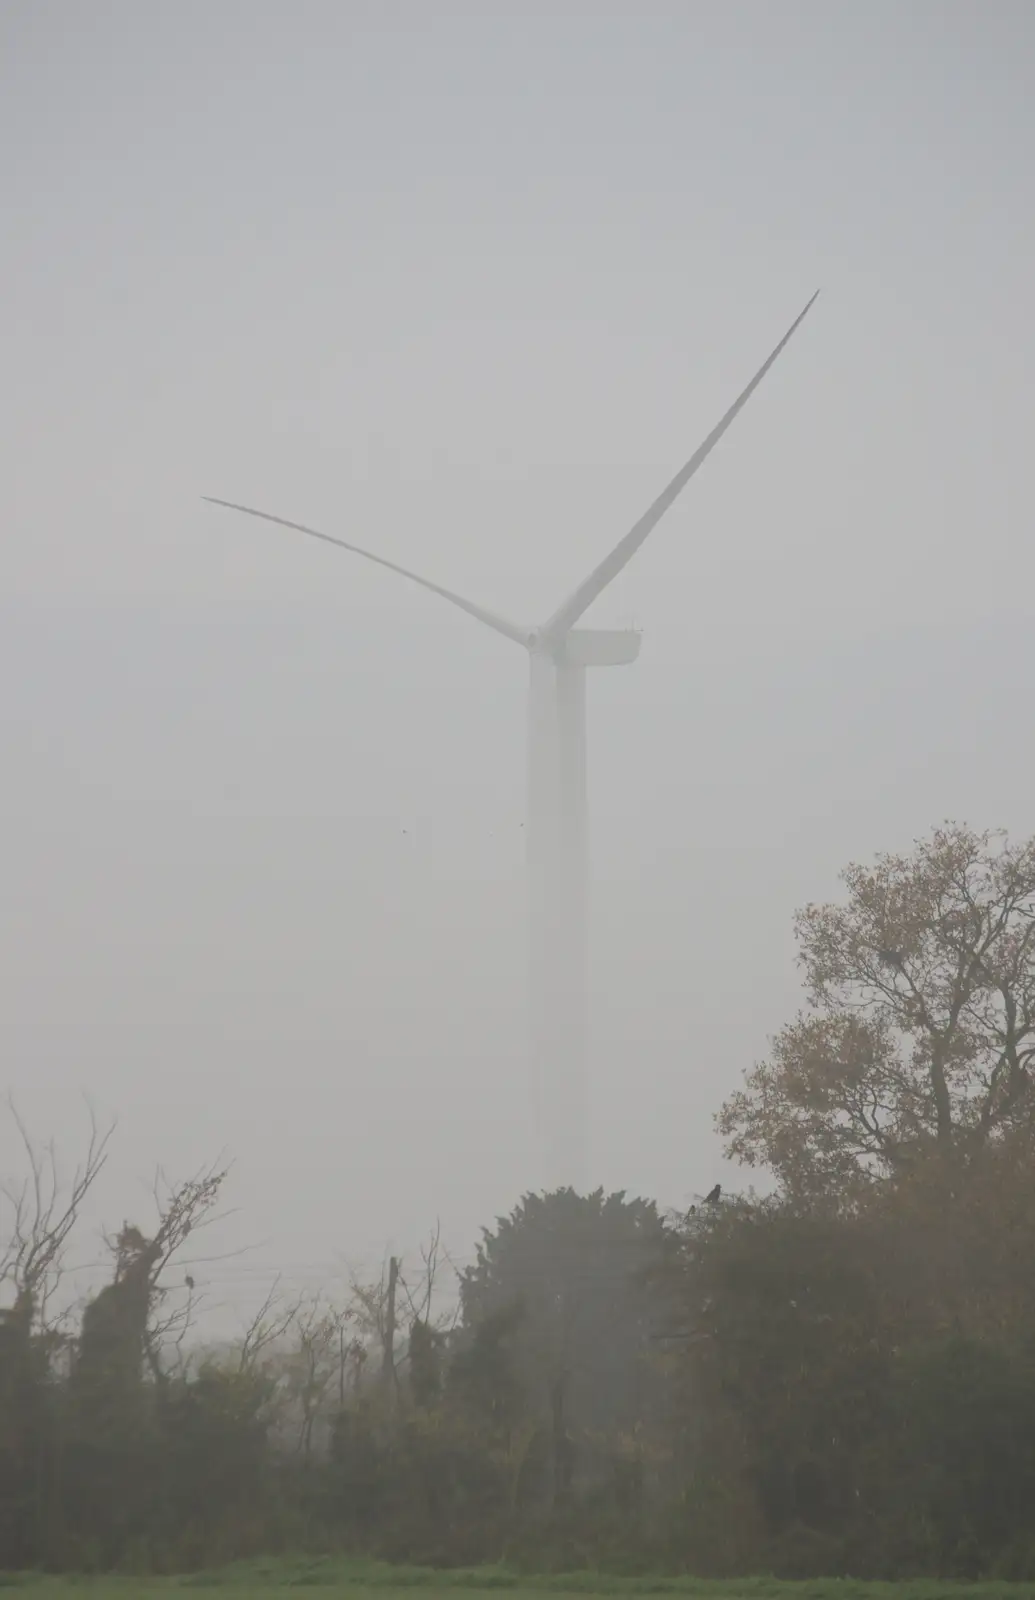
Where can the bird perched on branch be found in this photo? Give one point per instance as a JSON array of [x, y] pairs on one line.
[[712, 1196]]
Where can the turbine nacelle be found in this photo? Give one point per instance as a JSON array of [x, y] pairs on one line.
[[587, 647], [600, 647]]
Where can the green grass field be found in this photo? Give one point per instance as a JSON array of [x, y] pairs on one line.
[[357, 1580]]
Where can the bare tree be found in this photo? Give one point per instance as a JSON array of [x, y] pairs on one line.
[[317, 1366], [377, 1308], [268, 1326], [420, 1296], [182, 1209], [374, 1313], [43, 1212]]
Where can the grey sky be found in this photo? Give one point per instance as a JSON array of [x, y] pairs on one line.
[[466, 285]]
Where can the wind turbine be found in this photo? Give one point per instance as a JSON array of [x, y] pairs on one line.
[[556, 823]]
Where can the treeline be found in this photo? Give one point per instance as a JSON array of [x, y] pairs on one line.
[[836, 1379]]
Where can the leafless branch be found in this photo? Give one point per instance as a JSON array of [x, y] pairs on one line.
[[44, 1212], [270, 1323]]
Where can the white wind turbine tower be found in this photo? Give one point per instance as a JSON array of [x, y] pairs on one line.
[[556, 825]]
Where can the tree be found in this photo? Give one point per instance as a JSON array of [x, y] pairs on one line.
[[781, 1352], [314, 1371], [920, 1028], [574, 1271], [209, 1458], [37, 1217], [427, 1337], [115, 1416], [965, 1425], [117, 1332], [43, 1213], [483, 1382]]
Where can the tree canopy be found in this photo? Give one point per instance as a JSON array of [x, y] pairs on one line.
[[919, 1029]]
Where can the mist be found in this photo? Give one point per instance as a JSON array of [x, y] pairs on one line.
[[466, 288]]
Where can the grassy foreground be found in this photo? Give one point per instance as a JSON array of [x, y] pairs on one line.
[[255, 1579]]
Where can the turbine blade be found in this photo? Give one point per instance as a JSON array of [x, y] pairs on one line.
[[569, 613], [510, 630]]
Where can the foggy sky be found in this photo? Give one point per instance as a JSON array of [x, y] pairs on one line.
[[466, 285]]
